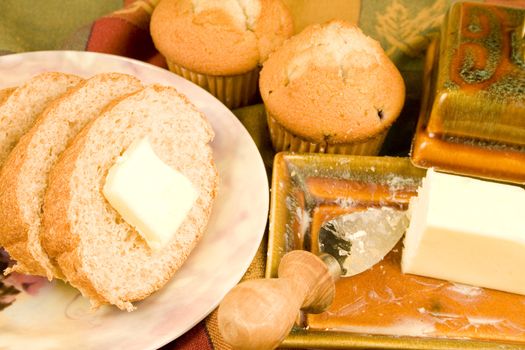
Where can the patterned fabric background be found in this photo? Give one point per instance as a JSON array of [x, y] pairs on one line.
[[403, 27]]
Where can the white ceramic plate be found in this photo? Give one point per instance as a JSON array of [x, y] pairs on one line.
[[54, 316]]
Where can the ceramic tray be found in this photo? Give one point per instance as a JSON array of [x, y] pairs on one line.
[[381, 307]]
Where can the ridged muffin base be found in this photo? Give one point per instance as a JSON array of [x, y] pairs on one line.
[[283, 140], [232, 90]]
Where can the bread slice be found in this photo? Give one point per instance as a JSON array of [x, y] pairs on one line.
[[98, 252], [23, 178], [21, 108]]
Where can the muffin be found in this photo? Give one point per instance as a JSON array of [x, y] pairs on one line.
[[331, 89], [220, 44]]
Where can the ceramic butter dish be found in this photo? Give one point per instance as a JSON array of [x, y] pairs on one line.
[[473, 110]]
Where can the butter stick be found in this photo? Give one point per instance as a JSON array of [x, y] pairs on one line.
[[149, 195], [468, 231]]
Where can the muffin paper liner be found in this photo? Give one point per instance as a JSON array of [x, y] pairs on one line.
[[232, 90], [283, 140]]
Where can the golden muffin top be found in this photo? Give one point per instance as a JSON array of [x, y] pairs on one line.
[[332, 83], [220, 37]]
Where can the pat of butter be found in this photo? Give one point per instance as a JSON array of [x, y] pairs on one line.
[[150, 195], [468, 231]]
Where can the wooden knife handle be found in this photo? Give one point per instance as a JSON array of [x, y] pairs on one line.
[[259, 314]]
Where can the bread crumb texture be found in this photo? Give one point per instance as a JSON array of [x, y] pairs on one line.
[[332, 83], [98, 252], [24, 176], [20, 109], [220, 37]]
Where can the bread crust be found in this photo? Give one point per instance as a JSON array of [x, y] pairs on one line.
[[210, 42], [63, 244], [5, 93], [56, 239], [13, 234]]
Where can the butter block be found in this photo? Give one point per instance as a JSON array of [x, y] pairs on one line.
[[149, 195], [468, 231]]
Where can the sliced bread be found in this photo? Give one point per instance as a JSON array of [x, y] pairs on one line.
[[98, 252], [23, 178], [21, 108]]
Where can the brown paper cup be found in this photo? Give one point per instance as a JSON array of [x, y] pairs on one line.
[[232, 90], [283, 140]]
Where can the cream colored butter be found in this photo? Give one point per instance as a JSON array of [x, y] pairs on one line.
[[150, 195], [468, 231]]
